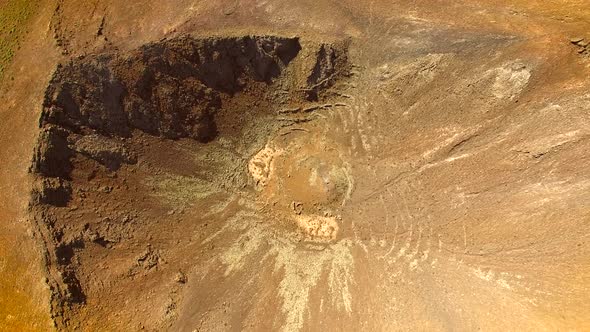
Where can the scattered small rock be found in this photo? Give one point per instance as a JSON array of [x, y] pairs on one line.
[[149, 258], [582, 45], [105, 189], [180, 278]]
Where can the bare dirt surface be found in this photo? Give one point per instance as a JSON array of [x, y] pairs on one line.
[[317, 165]]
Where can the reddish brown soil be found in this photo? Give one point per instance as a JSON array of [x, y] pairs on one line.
[[315, 165]]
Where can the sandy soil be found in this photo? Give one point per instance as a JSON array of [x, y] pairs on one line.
[[408, 166]]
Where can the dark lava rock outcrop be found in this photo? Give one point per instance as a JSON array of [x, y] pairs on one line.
[[170, 89]]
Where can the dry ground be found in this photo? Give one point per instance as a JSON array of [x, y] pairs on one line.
[[444, 187]]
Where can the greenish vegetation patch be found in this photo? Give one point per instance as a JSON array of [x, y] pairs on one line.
[[14, 15]]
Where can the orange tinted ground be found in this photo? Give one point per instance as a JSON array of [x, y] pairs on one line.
[[23, 298]]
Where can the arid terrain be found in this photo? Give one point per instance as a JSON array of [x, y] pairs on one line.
[[295, 165]]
